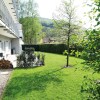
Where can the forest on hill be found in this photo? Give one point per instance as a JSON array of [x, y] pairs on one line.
[[46, 22]]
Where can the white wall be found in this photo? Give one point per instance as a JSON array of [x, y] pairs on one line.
[[9, 44], [5, 45], [17, 45], [20, 43]]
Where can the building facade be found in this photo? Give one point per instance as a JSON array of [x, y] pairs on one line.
[[11, 37]]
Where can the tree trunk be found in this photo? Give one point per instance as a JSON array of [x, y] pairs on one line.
[[68, 50]]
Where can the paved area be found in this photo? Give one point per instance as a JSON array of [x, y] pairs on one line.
[[4, 76]]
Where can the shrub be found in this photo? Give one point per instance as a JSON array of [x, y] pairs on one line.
[[5, 64], [53, 48], [29, 59], [92, 49], [91, 87], [65, 52], [77, 54], [72, 53]]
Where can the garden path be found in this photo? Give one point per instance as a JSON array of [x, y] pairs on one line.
[[4, 76]]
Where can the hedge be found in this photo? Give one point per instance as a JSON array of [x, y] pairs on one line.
[[52, 48]]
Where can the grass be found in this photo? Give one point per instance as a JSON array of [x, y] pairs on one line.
[[50, 82]]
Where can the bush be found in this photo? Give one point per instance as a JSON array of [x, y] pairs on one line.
[[91, 87], [5, 64], [53, 48], [77, 54], [92, 49], [29, 59]]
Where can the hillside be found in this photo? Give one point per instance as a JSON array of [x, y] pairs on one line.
[[46, 22]]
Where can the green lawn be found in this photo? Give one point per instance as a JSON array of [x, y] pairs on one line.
[[50, 82]]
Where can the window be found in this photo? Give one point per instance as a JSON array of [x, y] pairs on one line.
[[9, 45], [4, 46], [0, 47]]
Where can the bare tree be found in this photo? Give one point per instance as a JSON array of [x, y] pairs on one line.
[[66, 20]]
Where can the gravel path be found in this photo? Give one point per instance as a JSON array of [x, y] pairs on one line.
[[4, 76]]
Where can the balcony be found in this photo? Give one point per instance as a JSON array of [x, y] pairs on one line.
[[20, 30], [15, 4], [12, 6], [7, 19]]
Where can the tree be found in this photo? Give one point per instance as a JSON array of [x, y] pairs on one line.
[[92, 50], [66, 21], [92, 41], [29, 20], [27, 8], [31, 30]]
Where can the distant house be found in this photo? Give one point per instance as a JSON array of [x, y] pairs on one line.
[[46, 40], [49, 40], [10, 31]]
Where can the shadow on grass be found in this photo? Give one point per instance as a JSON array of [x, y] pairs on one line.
[[27, 67], [32, 82], [56, 70]]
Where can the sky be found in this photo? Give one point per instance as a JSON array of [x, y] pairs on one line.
[[46, 8]]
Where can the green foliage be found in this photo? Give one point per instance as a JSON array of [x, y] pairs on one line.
[[30, 22], [65, 52], [49, 32], [77, 39], [91, 87], [26, 58], [92, 40], [84, 55], [48, 28], [46, 22], [29, 59], [54, 48], [57, 48], [5, 64], [51, 82], [77, 54], [31, 28], [92, 56], [72, 53], [92, 49], [27, 8], [66, 21]]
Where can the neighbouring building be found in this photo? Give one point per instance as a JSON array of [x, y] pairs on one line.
[[10, 31]]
